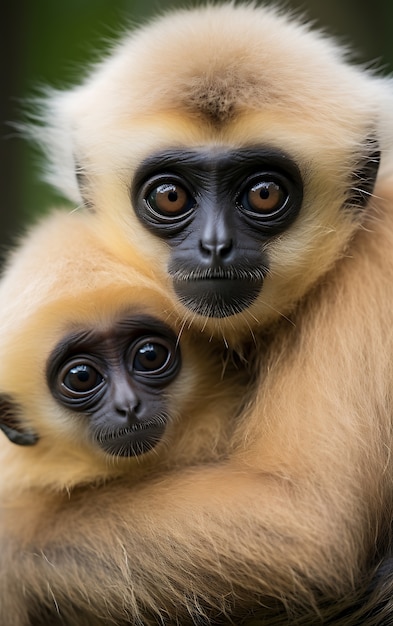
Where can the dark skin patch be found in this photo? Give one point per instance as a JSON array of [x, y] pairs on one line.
[[216, 208], [117, 379]]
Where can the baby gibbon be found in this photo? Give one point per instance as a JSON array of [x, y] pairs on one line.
[[95, 379]]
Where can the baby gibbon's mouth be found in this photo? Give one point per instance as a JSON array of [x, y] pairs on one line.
[[133, 440]]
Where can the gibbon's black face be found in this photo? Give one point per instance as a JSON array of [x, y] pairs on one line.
[[216, 208], [116, 379]]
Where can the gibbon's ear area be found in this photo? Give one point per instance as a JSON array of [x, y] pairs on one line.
[[216, 207], [11, 425], [365, 174], [116, 378]]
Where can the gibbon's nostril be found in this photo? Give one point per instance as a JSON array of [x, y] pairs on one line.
[[216, 250], [130, 410], [127, 405]]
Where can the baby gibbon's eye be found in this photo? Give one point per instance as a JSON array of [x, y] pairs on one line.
[[170, 198], [79, 379], [154, 357], [151, 357]]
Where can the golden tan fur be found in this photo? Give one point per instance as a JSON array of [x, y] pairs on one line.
[[292, 523], [61, 280]]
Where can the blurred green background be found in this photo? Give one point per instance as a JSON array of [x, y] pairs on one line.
[[48, 42]]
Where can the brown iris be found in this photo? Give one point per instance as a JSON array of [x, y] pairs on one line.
[[169, 198], [265, 197]]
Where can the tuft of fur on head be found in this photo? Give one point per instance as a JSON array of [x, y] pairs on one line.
[[180, 63]]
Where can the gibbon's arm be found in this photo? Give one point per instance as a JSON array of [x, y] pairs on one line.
[[221, 539], [194, 547]]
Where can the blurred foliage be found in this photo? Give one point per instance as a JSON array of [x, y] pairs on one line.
[[49, 42]]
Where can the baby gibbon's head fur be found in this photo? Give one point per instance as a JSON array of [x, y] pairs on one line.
[[75, 320]]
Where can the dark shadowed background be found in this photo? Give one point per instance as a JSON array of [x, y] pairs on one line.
[[48, 42]]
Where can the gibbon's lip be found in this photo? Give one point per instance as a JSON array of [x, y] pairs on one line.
[[132, 441], [218, 296]]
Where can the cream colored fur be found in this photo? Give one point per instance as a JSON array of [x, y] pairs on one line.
[[269, 81], [298, 514]]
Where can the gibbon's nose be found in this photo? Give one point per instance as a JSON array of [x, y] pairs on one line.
[[126, 403], [216, 239], [217, 251], [129, 413]]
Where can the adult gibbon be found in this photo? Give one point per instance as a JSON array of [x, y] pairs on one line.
[[243, 153]]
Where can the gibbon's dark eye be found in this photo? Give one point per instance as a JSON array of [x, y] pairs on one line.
[[170, 199], [80, 379], [264, 197], [151, 357], [154, 357]]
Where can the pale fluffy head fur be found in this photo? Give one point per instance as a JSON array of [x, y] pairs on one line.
[[224, 75]]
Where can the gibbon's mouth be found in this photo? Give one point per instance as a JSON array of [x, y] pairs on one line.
[[218, 293], [133, 440]]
